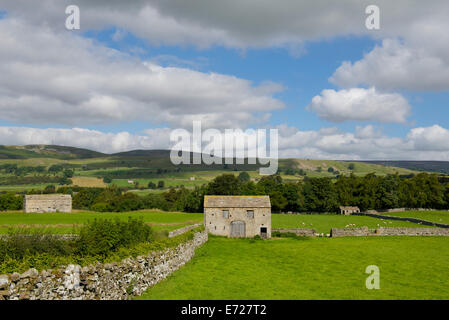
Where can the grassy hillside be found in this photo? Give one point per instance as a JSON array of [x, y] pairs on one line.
[[46, 151], [144, 166], [432, 166]]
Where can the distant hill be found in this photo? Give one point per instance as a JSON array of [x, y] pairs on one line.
[[432, 166], [47, 151], [160, 159]]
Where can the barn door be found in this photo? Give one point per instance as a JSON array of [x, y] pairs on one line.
[[237, 229]]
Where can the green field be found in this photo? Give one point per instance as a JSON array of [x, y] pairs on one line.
[[323, 223], [317, 268], [432, 216], [66, 222]]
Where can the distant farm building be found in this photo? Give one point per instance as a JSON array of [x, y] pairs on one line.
[[238, 216], [48, 203], [349, 210]]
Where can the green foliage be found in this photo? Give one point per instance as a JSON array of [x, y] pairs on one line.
[[107, 179], [65, 181], [49, 189], [161, 184], [10, 201], [100, 237], [244, 176]]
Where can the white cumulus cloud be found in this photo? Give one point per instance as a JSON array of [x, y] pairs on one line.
[[360, 104]]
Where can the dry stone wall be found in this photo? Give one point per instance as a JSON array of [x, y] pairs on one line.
[[180, 231], [298, 231], [388, 231], [112, 281]]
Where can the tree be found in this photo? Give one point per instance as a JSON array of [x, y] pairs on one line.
[[161, 184], [49, 189], [351, 166], [107, 179], [320, 195], [68, 173], [10, 201], [151, 185], [244, 176], [226, 184], [65, 181], [330, 169]]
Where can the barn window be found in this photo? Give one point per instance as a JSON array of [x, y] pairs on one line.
[[250, 214], [226, 214]]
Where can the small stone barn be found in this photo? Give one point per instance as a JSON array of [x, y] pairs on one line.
[[48, 203], [349, 210], [238, 216]]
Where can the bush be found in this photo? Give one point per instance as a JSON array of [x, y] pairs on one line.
[[100, 237], [22, 242], [10, 201]]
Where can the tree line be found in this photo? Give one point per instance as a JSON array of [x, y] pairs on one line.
[[308, 195]]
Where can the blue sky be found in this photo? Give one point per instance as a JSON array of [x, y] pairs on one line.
[[333, 88]]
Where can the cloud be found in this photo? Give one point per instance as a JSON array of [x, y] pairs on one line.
[[59, 78], [395, 66], [434, 138], [367, 143], [242, 23], [360, 105], [85, 138]]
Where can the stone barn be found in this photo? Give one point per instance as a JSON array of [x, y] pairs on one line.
[[238, 216], [349, 210], [48, 203]]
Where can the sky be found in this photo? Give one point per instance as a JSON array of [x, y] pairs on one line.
[[135, 71]]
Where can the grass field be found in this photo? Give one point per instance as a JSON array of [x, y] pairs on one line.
[[433, 216], [90, 182], [324, 222], [66, 222], [317, 268]]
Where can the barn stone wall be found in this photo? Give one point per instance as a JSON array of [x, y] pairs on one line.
[[112, 281], [40, 203], [216, 224]]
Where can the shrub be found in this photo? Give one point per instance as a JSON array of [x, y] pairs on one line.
[[22, 242], [100, 237]]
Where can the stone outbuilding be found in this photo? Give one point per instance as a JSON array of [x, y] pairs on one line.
[[238, 216], [349, 210], [48, 203]]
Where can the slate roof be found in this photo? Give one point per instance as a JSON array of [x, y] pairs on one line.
[[237, 202]]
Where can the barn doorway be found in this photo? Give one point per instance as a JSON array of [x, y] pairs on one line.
[[238, 229], [263, 232]]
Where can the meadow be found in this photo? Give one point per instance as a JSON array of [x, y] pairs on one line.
[[68, 222], [160, 220], [432, 216], [323, 223], [315, 268]]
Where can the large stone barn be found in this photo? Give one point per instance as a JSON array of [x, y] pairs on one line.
[[48, 203], [238, 216]]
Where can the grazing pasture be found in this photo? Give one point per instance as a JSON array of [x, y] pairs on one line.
[[68, 222], [432, 216], [323, 223], [316, 268]]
